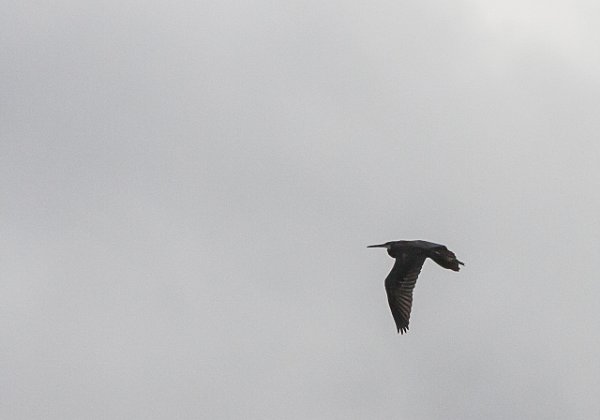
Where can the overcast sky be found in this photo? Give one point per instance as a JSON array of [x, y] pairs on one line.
[[187, 190]]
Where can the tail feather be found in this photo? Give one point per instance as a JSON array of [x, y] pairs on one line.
[[446, 259]]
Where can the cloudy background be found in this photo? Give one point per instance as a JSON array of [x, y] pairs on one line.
[[187, 190]]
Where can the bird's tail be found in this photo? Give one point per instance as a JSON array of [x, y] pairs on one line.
[[446, 259]]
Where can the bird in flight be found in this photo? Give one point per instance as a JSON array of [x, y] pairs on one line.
[[399, 284]]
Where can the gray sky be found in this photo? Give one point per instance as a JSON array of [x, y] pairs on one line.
[[187, 190]]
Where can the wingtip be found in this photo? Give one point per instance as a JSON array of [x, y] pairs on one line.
[[402, 330]]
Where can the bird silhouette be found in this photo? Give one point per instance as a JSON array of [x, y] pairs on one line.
[[399, 284]]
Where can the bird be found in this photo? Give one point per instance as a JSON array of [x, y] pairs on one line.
[[399, 284]]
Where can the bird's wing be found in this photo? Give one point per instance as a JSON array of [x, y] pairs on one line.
[[399, 286]]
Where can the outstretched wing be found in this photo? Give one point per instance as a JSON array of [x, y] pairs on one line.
[[399, 286]]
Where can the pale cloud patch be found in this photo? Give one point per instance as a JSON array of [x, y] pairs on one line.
[[566, 29]]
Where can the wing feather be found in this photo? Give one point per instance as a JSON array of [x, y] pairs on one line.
[[399, 286]]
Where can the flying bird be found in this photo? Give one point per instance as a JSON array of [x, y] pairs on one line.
[[399, 284]]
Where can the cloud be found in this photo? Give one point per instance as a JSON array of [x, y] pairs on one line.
[[188, 191]]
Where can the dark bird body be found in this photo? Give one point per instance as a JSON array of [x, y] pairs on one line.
[[399, 284]]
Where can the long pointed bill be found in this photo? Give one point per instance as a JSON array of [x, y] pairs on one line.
[[377, 246]]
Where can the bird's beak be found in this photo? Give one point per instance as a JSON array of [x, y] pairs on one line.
[[377, 246]]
